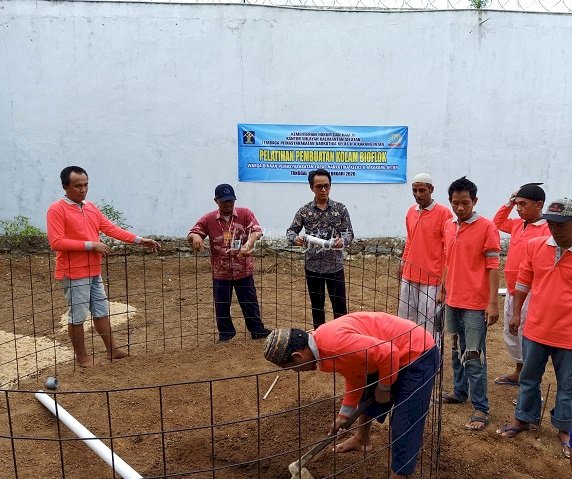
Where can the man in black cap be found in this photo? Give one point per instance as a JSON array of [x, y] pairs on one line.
[[529, 201], [232, 233], [546, 273]]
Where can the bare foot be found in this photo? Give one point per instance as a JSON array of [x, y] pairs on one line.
[[118, 353], [87, 362], [354, 443]]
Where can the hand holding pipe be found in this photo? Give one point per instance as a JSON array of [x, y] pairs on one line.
[[296, 467], [314, 240]]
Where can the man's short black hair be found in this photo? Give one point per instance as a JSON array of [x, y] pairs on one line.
[[68, 170], [462, 184], [320, 172]]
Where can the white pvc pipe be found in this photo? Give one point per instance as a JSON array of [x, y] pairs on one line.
[[324, 243], [112, 459]]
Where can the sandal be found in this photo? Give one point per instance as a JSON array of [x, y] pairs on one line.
[[510, 430], [478, 418], [506, 380], [566, 449], [450, 398]]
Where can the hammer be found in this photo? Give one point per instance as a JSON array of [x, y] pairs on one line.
[[298, 469]]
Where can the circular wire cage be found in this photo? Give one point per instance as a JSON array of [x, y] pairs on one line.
[[182, 404]]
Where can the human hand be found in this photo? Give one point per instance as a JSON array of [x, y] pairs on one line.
[[382, 397], [101, 248], [336, 425], [338, 243], [442, 295], [299, 241], [492, 314], [512, 199], [197, 242], [246, 249], [514, 324], [150, 243]]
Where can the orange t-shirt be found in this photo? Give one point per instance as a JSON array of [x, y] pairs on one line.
[[424, 255], [71, 231], [549, 317], [358, 344], [519, 236], [471, 248]]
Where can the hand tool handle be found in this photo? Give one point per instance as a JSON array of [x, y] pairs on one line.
[[316, 448]]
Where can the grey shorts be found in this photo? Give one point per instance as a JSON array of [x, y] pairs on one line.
[[85, 295]]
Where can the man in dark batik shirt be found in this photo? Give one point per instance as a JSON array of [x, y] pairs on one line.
[[327, 220]]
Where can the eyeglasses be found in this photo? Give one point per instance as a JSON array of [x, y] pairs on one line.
[[324, 187]]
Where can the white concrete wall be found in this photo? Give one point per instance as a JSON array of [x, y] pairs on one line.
[[146, 97]]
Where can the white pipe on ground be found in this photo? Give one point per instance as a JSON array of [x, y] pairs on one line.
[[113, 460]]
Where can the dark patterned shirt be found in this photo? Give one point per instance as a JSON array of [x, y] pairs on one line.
[[333, 222]]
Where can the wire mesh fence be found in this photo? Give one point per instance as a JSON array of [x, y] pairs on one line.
[[182, 405]]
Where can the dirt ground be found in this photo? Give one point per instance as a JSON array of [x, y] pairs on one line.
[[169, 409]]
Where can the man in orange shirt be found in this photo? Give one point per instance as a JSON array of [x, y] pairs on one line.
[[379, 355], [424, 256], [529, 201], [73, 232], [472, 246], [546, 273]]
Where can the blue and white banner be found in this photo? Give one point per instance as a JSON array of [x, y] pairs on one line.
[[352, 154]]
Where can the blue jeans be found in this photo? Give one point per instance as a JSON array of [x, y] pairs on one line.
[[410, 397], [468, 355], [528, 406], [246, 295]]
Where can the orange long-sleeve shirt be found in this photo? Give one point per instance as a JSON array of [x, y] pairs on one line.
[[519, 237], [547, 272], [72, 230], [358, 344], [424, 253], [471, 248]]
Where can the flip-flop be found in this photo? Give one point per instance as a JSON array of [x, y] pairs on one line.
[[484, 420], [505, 380], [566, 449], [450, 398], [509, 431], [515, 401]]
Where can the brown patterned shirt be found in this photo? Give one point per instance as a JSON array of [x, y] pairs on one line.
[[333, 222]]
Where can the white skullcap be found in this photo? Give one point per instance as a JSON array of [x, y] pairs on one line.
[[423, 178]]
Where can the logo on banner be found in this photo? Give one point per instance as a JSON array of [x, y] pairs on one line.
[[394, 140], [248, 138]]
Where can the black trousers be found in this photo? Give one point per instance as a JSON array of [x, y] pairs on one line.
[[246, 295], [335, 282]]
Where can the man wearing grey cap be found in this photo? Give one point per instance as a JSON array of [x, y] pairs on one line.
[[232, 233], [423, 257], [546, 272], [529, 201]]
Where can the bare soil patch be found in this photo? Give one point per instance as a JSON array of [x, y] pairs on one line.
[[165, 385]]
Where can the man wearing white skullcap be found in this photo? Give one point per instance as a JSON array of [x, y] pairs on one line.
[[423, 257]]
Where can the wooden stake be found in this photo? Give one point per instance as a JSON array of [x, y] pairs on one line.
[[271, 387]]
